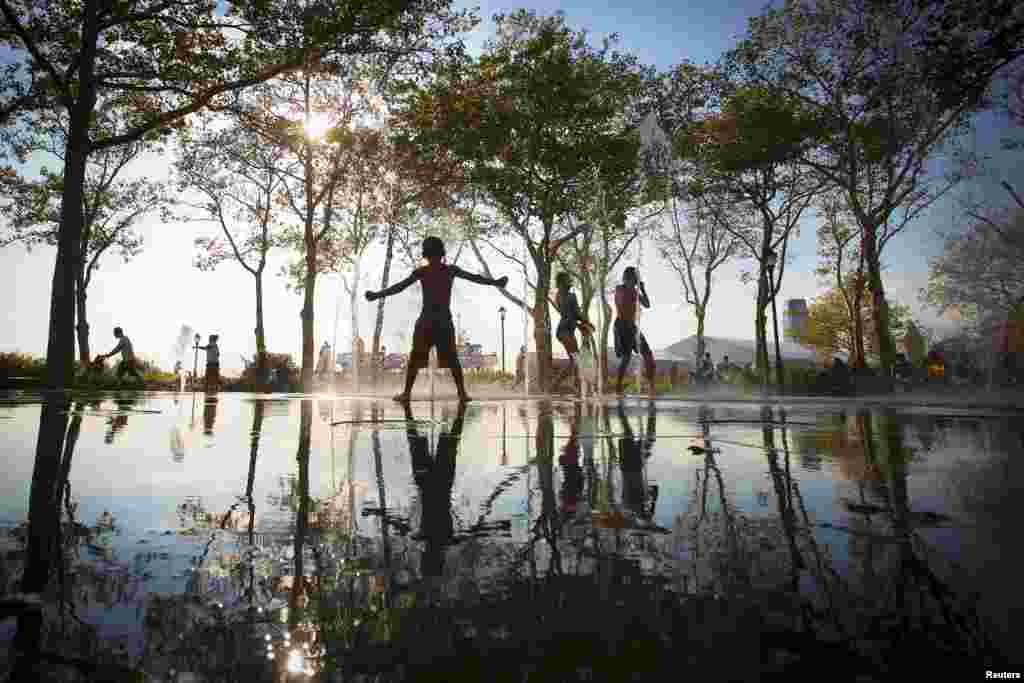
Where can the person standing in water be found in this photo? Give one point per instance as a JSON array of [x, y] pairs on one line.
[[572, 317], [628, 337], [128, 361], [434, 327], [212, 363]]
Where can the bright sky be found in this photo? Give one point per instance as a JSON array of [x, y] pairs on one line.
[[152, 296]]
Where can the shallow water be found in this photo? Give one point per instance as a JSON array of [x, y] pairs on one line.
[[215, 497]]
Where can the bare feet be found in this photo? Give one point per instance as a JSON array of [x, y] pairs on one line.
[[401, 398]]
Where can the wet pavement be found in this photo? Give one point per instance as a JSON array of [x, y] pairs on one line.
[[169, 531]]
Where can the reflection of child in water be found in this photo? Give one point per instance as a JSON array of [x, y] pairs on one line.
[[633, 453], [572, 473], [434, 477]]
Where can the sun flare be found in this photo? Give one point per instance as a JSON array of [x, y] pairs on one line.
[[317, 125]]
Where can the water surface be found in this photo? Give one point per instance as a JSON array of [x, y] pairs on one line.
[[183, 520]]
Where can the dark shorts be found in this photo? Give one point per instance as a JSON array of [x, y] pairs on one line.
[[567, 335], [436, 332], [629, 339]]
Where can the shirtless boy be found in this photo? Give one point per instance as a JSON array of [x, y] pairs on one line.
[[628, 337], [434, 326]]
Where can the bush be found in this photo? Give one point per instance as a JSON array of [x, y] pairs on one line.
[[18, 364], [488, 376]]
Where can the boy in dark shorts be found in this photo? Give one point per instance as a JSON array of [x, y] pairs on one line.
[[628, 338], [434, 326]]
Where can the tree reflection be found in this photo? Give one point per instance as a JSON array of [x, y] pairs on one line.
[[44, 646]]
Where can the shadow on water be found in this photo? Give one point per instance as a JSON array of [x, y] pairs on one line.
[[609, 549]]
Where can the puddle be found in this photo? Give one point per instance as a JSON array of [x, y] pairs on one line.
[[323, 537]]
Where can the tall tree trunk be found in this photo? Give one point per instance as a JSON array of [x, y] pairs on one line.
[[82, 327], [60, 346], [308, 360], [760, 324], [606, 322], [857, 318], [378, 327], [353, 302], [261, 340], [699, 312], [778, 347], [879, 306], [542, 318]]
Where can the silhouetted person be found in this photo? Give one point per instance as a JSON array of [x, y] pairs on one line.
[[434, 477], [632, 454], [128, 364], [434, 326], [839, 376], [706, 369], [520, 367], [628, 338], [212, 382], [724, 368], [323, 367], [572, 317]]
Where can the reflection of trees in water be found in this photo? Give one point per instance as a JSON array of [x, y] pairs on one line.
[[900, 600], [52, 641]]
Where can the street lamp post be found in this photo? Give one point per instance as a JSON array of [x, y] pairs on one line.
[[501, 315], [769, 262], [195, 363]]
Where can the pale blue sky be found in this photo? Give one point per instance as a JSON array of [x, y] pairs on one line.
[[152, 296]]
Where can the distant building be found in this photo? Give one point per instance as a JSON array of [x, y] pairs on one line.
[[795, 318]]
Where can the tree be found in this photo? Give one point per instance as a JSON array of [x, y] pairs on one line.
[[830, 327], [694, 246], [112, 207], [739, 162], [979, 271], [841, 265], [523, 127], [890, 85], [238, 179], [314, 189], [153, 63]]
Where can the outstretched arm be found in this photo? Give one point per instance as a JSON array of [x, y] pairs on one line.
[[480, 279], [395, 288], [644, 301]]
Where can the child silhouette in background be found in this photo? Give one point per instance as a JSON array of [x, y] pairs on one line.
[[434, 327]]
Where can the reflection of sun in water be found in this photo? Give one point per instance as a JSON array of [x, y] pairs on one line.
[[317, 125]]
